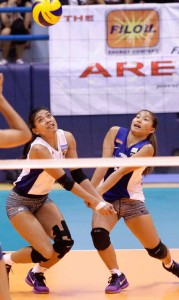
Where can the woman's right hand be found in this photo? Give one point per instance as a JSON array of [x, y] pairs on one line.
[[102, 207]]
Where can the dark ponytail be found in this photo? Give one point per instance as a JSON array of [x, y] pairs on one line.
[[31, 126], [27, 146], [153, 140]]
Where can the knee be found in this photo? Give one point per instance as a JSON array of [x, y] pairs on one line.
[[63, 248], [48, 251], [159, 252], [101, 238], [44, 255], [6, 31], [62, 240]]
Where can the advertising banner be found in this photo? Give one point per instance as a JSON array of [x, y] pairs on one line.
[[115, 59]]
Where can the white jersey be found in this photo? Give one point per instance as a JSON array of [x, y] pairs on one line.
[[38, 181]]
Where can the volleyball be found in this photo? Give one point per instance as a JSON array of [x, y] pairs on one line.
[[46, 12]]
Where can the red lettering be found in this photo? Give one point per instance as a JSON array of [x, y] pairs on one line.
[[89, 18], [157, 69], [95, 69], [121, 68], [156, 66], [85, 18], [80, 18], [68, 18]]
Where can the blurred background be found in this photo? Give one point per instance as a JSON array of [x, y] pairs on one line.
[[28, 83]]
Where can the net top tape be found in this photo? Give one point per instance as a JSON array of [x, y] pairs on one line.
[[158, 161]]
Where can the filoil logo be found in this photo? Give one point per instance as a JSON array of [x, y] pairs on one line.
[[129, 30]]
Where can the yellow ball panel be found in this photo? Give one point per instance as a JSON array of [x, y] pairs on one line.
[[42, 12]]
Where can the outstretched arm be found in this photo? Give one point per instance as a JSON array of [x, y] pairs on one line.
[[146, 151], [72, 153], [108, 148], [90, 198], [18, 133]]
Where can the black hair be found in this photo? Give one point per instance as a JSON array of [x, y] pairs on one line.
[[31, 124], [151, 138]]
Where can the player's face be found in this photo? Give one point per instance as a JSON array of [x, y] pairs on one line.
[[142, 124], [44, 123]]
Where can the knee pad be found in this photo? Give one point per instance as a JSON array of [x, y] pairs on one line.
[[101, 238], [37, 257], [158, 252], [62, 246]]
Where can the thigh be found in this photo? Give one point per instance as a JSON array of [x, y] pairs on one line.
[[144, 229], [105, 221], [49, 215], [30, 229]]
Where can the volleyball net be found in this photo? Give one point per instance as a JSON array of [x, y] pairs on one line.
[[71, 163]]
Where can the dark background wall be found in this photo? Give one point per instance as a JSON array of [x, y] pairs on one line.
[[27, 86]]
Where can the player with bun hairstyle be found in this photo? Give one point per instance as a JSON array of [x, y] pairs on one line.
[[122, 187], [30, 210]]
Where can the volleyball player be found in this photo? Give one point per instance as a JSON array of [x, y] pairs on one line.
[[123, 188], [4, 289], [30, 210], [17, 134]]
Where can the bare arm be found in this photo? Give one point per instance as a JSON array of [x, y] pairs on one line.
[[28, 16], [18, 133], [146, 151], [72, 153], [4, 16], [4, 288], [41, 152], [108, 148]]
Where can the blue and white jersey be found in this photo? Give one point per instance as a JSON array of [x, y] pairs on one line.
[[38, 181], [130, 185]]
